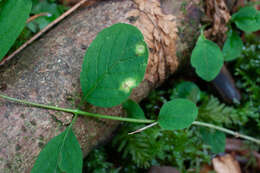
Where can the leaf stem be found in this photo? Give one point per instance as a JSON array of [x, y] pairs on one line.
[[77, 111], [236, 134], [132, 120]]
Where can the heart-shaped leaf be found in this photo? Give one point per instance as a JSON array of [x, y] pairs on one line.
[[13, 15], [133, 109], [206, 58], [233, 46], [247, 19], [177, 114], [61, 154], [114, 64]]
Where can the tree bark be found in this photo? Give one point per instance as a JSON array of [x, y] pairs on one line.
[[48, 72]]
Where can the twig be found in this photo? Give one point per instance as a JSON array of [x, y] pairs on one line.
[[36, 16], [72, 9], [144, 128]]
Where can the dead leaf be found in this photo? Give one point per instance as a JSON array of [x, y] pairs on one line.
[[226, 164], [219, 13], [206, 169]]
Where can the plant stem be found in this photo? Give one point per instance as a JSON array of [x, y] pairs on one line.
[[132, 120], [236, 134], [76, 111]]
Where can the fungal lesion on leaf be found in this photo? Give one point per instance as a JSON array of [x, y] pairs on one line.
[[140, 49], [128, 84]]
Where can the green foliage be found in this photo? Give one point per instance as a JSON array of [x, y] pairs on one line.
[[233, 46], [133, 109], [61, 154], [177, 114], [114, 80], [206, 58], [247, 19], [97, 162], [187, 90], [179, 147], [142, 147], [247, 71], [114, 64], [211, 110], [154, 101], [215, 139], [184, 146], [44, 6], [10, 27], [154, 146]]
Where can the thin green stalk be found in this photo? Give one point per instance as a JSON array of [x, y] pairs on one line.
[[76, 111], [236, 134], [132, 120]]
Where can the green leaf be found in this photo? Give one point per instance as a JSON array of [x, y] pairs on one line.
[[187, 90], [247, 19], [233, 46], [61, 154], [133, 109], [114, 64], [216, 140], [44, 6], [13, 15], [177, 114], [206, 58]]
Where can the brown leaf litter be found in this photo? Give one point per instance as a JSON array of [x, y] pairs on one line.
[[219, 14]]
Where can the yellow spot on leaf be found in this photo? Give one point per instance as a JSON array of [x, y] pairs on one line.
[[127, 85], [140, 49]]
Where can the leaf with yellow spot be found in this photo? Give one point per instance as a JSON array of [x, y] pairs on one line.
[[114, 64]]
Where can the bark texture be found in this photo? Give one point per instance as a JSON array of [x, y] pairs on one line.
[[48, 72]]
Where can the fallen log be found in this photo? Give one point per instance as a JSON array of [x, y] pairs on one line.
[[48, 72]]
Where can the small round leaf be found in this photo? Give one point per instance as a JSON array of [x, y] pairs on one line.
[[177, 114], [247, 19], [206, 58]]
